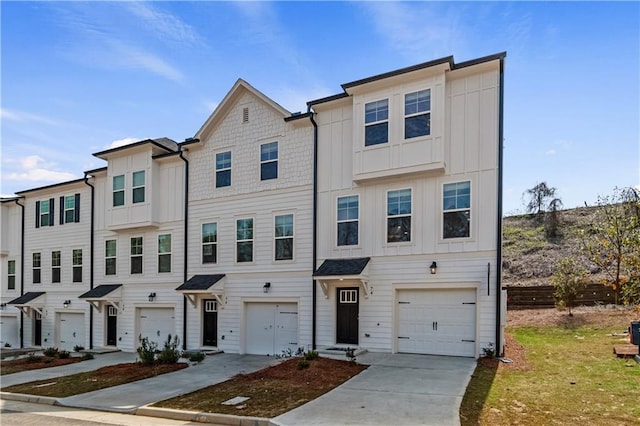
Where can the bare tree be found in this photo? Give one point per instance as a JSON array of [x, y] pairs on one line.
[[538, 196]]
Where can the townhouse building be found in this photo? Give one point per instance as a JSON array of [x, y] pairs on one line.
[[372, 221]]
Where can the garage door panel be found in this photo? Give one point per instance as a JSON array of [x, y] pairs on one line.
[[9, 331], [271, 328], [156, 324], [71, 329]]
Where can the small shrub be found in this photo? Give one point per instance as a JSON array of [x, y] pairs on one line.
[[196, 356], [50, 351], [170, 354], [351, 355], [32, 357], [47, 360], [311, 355], [147, 350], [489, 351], [303, 363], [7, 345], [78, 348], [64, 354], [87, 356]]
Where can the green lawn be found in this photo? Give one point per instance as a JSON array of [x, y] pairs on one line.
[[570, 377]]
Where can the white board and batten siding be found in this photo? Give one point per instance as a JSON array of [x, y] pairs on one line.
[[9, 331]]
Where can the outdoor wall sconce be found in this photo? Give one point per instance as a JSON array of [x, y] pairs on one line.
[[433, 267], [66, 303], [266, 287], [152, 296], [2, 306]]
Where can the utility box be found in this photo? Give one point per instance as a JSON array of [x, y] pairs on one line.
[[634, 332]]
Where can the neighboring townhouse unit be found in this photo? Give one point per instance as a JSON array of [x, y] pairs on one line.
[[250, 242], [10, 270], [56, 246], [409, 189]]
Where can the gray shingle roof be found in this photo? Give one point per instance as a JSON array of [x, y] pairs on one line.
[[200, 282], [100, 291], [353, 266], [26, 298]]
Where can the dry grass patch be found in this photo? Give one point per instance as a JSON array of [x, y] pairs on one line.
[[272, 391], [34, 363]]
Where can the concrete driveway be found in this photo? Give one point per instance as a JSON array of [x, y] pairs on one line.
[[397, 389]]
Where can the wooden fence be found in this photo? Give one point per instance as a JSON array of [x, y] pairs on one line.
[[542, 296]]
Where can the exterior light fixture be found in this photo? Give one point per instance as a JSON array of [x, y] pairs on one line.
[[2, 306], [433, 267], [152, 296], [266, 287], [66, 303]]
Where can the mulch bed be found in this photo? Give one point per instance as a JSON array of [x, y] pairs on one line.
[[27, 364]]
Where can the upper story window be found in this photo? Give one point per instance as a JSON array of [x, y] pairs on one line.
[[244, 240], [164, 253], [209, 242], [118, 190], [138, 187], [269, 161], [284, 237], [348, 216], [223, 169], [11, 275], [136, 255], [399, 216], [77, 265], [376, 122], [44, 213], [55, 266], [110, 261], [456, 206], [70, 209], [36, 265], [417, 114]]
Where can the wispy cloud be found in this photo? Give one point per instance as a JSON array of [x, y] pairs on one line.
[[122, 142], [550, 152], [164, 25], [25, 117], [34, 168]]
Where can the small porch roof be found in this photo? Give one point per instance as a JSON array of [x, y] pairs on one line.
[[106, 294], [335, 270], [29, 302], [203, 284]]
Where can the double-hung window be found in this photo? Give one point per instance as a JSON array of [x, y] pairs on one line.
[[55, 266], [269, 161], [164, 253], [118, 190], [348, 216], [209, 242], [376, 122], [70, 209], [456, 210], [399, 216], [136, 255], [44, 212], [284, 237], [11, 275], [36, 267], [417, 114], [138, 187], [77, 265], [223, 169], [110, 247], [244, 240]]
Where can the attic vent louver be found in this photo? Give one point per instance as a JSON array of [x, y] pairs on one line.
[[245, 115]]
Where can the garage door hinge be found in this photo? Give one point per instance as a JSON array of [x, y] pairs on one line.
[[402, 337], [404, 303], [468, 303], [465, 340]]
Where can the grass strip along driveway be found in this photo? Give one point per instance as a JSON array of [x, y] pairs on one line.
[[113, 375], [562, 374], [34, 363]]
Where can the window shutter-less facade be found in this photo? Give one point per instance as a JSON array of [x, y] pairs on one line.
[[77, 209], [37, 214], [51, 210], [62, 210]]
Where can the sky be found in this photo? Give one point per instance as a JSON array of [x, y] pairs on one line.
[[81, 77]]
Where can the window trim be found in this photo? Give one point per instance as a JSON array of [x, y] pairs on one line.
[[35, 268], [376, 122], [76, 265], [64, 210], [56, 268], [270, 160], [50, 213], [292, 237], [11, 275], [214, 244], [251, 240], [387, 216], [135, 189], [443, 211], [224, 169], [415, 114], [169, 253], [107, 258], [338, 221], [136, 255]]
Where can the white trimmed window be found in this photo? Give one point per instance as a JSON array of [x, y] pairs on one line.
[[36, 267], [269, 161], [456, 210], [244, 240], [399, 216], [164, 253], [56, 264], [348, 218], [209, 242], [376, 122], [283, 233], [77, 265], [44, 212], [136, 255], [11, 275], [71, 208], [417, 114], [138, 187], [110, 262], [118, 190], [223, 169]]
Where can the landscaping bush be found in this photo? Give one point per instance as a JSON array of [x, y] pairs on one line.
[[50, 351], [87, 355], [311, 355], [47, 360], [78, 348], [147, 350], [303, 363], [32, 357], [170, 354], [196, 356], [64, 354], [7, 345]]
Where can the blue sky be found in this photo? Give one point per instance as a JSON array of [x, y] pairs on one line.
[[79, 77]]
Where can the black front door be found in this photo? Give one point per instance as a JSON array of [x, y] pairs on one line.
[[112, 325], [37, 330], [347, 316], [209, 323]]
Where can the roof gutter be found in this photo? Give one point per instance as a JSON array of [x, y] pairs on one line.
[[314, 290], [499, 336], [91, 253], [21, 270]]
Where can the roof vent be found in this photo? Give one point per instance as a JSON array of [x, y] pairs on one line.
[[245, 114]]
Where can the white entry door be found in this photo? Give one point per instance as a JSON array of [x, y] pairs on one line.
[[9, 331], [71, 329], [437, 322], [271, 328], [156, 324]]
